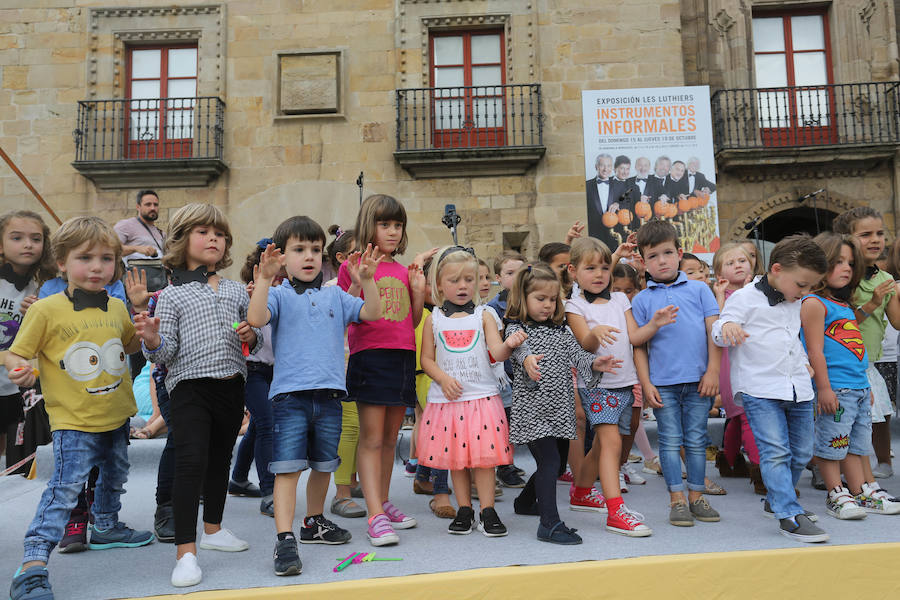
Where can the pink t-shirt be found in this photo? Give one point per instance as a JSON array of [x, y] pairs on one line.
[[612, 313], [394, 330]]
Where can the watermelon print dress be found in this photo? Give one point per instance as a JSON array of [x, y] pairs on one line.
[[471, 431], [546, 408]]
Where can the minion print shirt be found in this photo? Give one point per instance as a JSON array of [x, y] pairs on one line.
[[83, 366]]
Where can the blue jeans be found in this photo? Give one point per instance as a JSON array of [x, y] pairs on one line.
[[682, 421], [784, 432], [307, 431], [74, 454], [257, 442], [437, 476]]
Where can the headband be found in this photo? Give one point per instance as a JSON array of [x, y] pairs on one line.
[[453, 249], [264, 243]]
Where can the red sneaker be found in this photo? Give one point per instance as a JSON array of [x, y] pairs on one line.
[[590, 502], [627, 522], [566, 478], [75, 536]]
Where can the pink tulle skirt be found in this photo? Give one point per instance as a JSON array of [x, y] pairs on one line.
[[464, 435]]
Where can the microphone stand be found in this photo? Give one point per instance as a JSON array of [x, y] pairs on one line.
[[359, 182]]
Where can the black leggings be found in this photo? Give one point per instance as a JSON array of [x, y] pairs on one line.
[[207, 415], [550, 455]]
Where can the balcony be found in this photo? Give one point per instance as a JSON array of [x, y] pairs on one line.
[[156, 142], [849, 123], [470, 130]]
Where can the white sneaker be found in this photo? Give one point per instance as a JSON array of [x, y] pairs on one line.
[[631, 475], [652, 466], [841, 505], [187, 571], [223, 540], [875, 500], [622, 483], [883, 471]]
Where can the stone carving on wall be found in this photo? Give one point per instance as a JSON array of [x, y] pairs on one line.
[[781, 202]]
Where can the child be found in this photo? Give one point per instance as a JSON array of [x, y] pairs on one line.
[[81, 339], [543, 414], [770, 371], [694, 268], [596, 316], [308, 324], [484, 280], [466, 398], [753, 253], [678, 369], [192, 334], [874, 299], [733, 269], [382, 367]]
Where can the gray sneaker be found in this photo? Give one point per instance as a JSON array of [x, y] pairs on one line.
[[680, 515], [347, 508], [267, 506], [800, 528], [767, 511], [702, 511]]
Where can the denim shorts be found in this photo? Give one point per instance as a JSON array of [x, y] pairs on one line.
[[849, 429], [383, 377], [608, 407], [306, 432]]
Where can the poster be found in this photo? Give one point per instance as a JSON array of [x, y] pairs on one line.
[[649, 152]]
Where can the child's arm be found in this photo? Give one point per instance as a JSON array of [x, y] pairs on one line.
[[586, 363], [136, 289], [371, 310], [159, 333], [709, 383], [523, 356], [718, 289], [19, 370], [661, 318], [500, 350], [642, 366], [450, 387], [626, 249], [812, 317], [270, 263], [417, 288], [892, 310]]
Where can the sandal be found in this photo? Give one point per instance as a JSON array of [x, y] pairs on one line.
[[441, 512], [419, 488], [714, 489], [347, 507]]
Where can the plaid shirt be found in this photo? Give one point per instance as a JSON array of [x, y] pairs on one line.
[[196, 333]]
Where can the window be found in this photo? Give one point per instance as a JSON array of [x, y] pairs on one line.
[[468, 107], [161, 89], [791, 50]]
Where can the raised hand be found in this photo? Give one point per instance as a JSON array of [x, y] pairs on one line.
[[516, 339], [665, 316], [270, 263], [606, 364], [368, 263], [626, 249], [881, 291], [147, 328], [136, 287], [416, 279], [27, 301], [421, 257], [719, 287], [574, 232], [605, 333], [532, 368]]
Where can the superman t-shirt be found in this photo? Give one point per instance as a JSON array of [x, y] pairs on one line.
[[845, 353]]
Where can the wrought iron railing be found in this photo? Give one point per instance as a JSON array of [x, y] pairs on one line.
[[150, 129], [853, 113], [465, 117]]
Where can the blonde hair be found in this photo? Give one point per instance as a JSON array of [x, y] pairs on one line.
[[719, 256], [585, 247], [93, 230], [180, 226], [45, 267], [450, 255], [527, 279], [375, 208], [758, 267]]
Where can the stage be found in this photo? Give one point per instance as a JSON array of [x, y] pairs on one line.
[[743, 556]]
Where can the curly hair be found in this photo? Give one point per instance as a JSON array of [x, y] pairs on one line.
[[45, 267], [183, 222]]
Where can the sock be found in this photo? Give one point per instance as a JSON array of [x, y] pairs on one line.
[[310, 520], [613, 504], [581, 492], [284, 535], [413, 461]]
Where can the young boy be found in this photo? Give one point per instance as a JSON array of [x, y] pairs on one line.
[[81, 339], [308, 324], [678, 368], [770, 374]]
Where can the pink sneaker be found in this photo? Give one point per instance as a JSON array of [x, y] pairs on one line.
[[398, 519], [380, 532]]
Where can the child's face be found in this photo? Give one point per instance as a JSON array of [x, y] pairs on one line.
[[794, 282], [484, 281], [89, 267], [735, 267], [388, 235], [560, 263], [457, 282], [22, 243], [206, 247], [303, 258], [842, 273], [870, 234], [693, 269], [508, 273], [342, 257], [592, 273], [624, 285], [750, 247], [661, 261], [540, 303]]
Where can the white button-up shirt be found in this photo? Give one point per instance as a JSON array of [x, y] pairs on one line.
[[771, 363]]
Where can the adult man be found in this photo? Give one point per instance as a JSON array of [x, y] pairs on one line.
[[604, 194], [677, 183], [142, 241], [696, 179], [641, 178], [656, 183]]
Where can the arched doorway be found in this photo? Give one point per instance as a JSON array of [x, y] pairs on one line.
[[801, 219]]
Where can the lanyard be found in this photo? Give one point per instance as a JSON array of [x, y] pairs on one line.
[[141, 221]]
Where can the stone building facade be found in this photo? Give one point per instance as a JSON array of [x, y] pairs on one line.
[[296, 98]]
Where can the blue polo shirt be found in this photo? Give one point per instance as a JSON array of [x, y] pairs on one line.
[[678, 352], [308, 337]]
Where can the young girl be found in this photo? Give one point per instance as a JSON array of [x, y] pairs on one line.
[[595, 316], [733, 268], [192, 334], [464, 426], [543, 415], [484, 280], [382, 367], [756, 265]]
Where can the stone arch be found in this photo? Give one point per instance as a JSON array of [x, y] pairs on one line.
[[782, 201]]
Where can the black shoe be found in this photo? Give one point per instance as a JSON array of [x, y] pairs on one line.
[[164, 523], [462, 524], [508, 477], [521, 472], [287, 557], [319, 530], [244, 488], [558, 534], [521, 508], [489, 523]]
